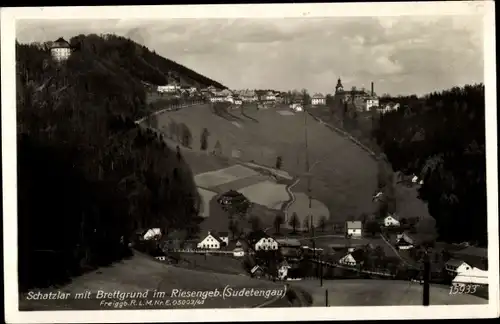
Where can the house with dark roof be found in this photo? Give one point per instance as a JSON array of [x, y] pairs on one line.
[[318, 99], [212, 241], [391, 220], [455, 266], [354, 228], [405, 241], [260, 241], [354, 258]]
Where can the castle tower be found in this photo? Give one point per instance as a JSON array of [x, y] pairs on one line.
[[339, 87]]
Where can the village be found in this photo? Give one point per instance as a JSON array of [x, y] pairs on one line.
[[389, 248]]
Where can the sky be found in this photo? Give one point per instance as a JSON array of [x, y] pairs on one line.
[[401, 55]]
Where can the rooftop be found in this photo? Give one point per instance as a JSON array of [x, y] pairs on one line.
[[60, 43], [354, 224]]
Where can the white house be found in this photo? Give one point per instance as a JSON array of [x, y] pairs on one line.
[[390, 220], [238, 252], [318, 99], [152, 233], [283, 270], [472, 276], [354, 228], [266, 243], [169, 88], [224, 237], [389, 107], [404, 241], [259, 240], [455, 266], [371, 102], [296, 107], [60, 50], [353, 258], [212, 242], [270, 96]]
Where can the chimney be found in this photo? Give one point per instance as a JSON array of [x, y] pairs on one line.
[[372, 89]]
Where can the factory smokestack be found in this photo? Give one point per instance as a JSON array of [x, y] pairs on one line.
[[372, 89]]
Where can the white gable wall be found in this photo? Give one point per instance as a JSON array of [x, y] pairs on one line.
[[391, 221], [348, 260], [266, 243], [209, 242]]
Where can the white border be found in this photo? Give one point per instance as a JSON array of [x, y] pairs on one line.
[[8, 18]]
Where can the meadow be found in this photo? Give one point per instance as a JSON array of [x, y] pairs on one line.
[[343, 175], [141, 273]]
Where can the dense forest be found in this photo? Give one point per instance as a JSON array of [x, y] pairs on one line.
[[441, 138], [139, 61], [88, 176]]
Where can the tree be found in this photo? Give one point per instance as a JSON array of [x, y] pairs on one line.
[[256, 223], [178, 152], [187, 137], [217, 149], [152, 121], [173, 131], [278, 221], [322, 223], [108, 175], [353, 94], [294, 222], [233, 227], [204, 139], [372, 227], [306, 98], [279, 162], [306, 224], [414, 144]]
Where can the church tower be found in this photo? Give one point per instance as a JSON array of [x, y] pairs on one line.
[[339, 88]]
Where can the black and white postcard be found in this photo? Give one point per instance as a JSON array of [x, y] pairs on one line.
[[276, 162]]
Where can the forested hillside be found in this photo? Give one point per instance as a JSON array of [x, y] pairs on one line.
[[88, 177], [138, 61], [441, 139]]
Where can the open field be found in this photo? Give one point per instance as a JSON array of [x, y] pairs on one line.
[[267, 196], [223, 176], [140, 273], [266, 193], [344, 176], [357, 292], [214, 263]]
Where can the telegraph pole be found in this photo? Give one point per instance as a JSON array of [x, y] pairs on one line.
[[426, 278]]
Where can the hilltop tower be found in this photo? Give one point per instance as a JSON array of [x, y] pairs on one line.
[[339, 87], [60, 50]]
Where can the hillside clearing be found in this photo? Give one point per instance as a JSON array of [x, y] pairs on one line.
[[344, 178]]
